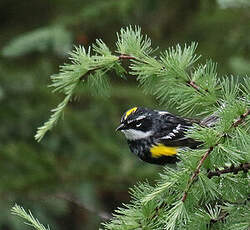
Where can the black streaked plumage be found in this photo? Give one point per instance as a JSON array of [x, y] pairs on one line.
[[155, 136]]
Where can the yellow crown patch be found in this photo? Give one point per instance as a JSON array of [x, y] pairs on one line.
[[130, 111]]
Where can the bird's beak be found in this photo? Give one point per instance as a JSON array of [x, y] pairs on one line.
[[120, 127]]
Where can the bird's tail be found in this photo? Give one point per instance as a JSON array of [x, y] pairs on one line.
[[210, 121]]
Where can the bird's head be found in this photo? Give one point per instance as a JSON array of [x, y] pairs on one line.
[[136, 123]]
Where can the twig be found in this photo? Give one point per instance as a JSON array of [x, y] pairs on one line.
[[193, 84], [196, 172], [124, 56], [88, 72], [220, 218], [243, 167], [120, 57], [128, 57], [241, 118]]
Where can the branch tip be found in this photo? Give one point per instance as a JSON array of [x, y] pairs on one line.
[[232, 169]]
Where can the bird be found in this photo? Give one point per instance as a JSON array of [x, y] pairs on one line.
[[156, 136]]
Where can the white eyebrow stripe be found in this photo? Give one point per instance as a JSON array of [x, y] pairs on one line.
[[137, 119]]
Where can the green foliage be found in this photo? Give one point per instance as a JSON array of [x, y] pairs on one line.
[[32, 174], [171, 69], [238, 217], [71, 75], [28, 217], [132, 42], [97, 172], [177, 199]]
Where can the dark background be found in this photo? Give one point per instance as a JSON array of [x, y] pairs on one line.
[[82, 170]]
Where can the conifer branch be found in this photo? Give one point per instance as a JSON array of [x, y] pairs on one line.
[[88, 73], [243, 167], [171, 66], [124, 56], [241, 118], [28, 217], [120, 57], [129, 57], [197, 171], [194, 85]]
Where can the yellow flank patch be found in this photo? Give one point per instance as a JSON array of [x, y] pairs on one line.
[[162, 150], [129, 112]]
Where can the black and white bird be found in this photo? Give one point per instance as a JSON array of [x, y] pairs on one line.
[[156, 136]]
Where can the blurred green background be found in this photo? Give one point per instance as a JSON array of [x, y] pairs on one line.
[[82, 170]]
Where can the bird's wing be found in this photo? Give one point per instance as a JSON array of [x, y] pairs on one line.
[[173, 131]]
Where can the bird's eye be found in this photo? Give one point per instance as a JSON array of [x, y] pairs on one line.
[[138, 125]]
